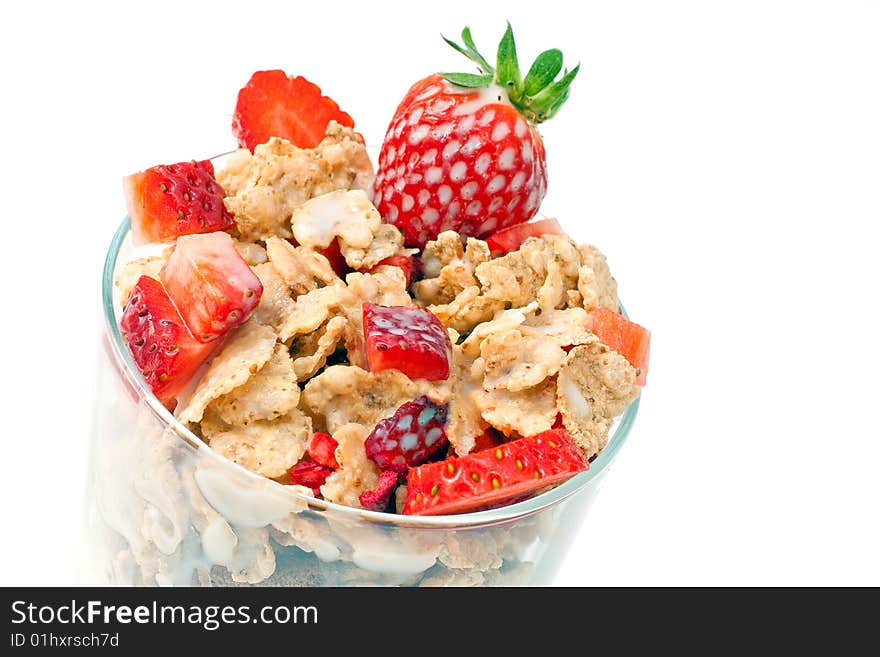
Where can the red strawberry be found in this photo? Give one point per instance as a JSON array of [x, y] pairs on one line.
[[322, 450], [406, 338], [511, 238], [210, 284], [175, 199], [378, 498], [272, 104], [405, 262], [627, 338], [491, 437], [410, 437], [334, 256], [165, 352], [309, 474], [462, 151], [506, 472]]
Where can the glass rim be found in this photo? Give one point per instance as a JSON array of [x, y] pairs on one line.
[[499, 515]]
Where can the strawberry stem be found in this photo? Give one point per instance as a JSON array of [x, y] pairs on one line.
[[538, 96]]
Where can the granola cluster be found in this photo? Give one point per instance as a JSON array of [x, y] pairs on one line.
[[522, 358]]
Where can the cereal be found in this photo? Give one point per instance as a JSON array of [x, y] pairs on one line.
[[344, 394], [276, 304], [543, 268], [302, 269], [306, 366], [387, 241], [448, 268], [595, 282], [514, 362], [268, 394], [503, 321], [251, 253], [344, 215], [263, 189], [268, 448], [527, 413], [465, 422], [247, 349], [128, 274], [595, 385], [467, 310], [356, 474], [564, 327], [311, 310]]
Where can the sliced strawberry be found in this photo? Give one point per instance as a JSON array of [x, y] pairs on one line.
[[378, 498], [272, 104], [163, 349], [322, 450], [405, 262], [166, 201], [408, 438], [211, 284], [406, 338], [511, 238], [309, 474], [488, 477], [627, 338]]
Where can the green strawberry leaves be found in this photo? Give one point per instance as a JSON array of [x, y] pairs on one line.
[[538, 96]]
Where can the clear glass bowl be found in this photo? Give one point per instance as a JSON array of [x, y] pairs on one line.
[[165, 509]]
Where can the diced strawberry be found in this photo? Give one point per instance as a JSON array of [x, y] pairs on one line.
[[211, 284], [408, 438], [406, 338], [488, 477], [491, 437], [322, 450], [406, 263], [163, 349], [309, 474], [335, 258], [378, 498], [511, 238], [166, 201], [272, 104], [627, 338]]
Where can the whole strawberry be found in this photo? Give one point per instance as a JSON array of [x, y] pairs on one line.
[[462, 151]]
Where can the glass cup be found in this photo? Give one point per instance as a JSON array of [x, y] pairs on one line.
[[164, 509]]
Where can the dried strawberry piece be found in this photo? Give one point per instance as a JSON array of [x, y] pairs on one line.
[[406, 338], [408, 438], [378, 498], [322, 450], [311, 475]]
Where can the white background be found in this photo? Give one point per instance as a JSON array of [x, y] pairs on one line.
[[725, 156]]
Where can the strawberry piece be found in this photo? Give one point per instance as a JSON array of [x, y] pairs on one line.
[[488, 477], [309, 474], [406, 263], [334, 256], [167, 201], [272, 104], [511, 238], [406, 338], [408, 438], [627, 338], [378, 498], [491, 437], [211, 284], [165, 352], [322, 450]]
